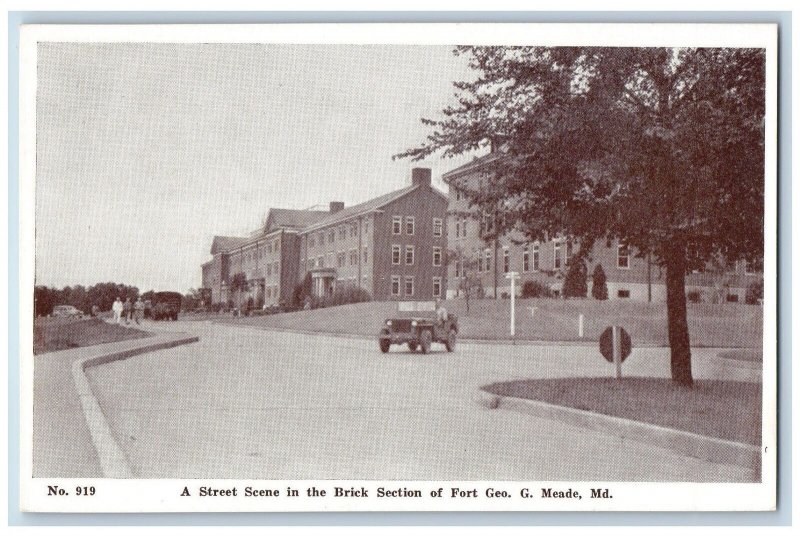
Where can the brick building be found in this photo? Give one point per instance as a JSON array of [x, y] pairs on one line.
[[628, 276], [394, 246]]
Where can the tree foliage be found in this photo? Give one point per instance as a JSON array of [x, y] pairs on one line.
[[660, 148], [83, 298]]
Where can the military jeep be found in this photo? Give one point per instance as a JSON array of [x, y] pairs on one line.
[[418, 333]]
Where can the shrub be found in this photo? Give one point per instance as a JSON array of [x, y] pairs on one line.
[[755, 292], [532, 289], [575, 280], [302, 291], [599, 287], [344, 294]]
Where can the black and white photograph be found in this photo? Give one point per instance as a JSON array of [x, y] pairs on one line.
[[398, 267]]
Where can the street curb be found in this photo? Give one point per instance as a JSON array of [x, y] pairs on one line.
[[113, 461], [701, 447]]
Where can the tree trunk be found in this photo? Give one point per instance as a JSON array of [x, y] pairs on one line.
[[678, 327]]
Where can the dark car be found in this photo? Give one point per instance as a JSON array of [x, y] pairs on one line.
[[166, 305], [418, 333]]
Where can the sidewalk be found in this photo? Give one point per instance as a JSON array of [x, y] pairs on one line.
[[62, 443]]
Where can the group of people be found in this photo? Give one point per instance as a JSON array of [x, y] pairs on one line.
[[127, 311]]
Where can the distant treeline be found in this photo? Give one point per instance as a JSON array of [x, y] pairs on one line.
[[101, 295]]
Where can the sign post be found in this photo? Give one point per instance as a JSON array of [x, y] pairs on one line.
[[513, 276], [615, 346]]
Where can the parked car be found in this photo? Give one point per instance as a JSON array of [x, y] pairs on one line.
[[66, 311], [166, 305], [418, 333]]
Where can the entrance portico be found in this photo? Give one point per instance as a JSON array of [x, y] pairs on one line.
[[323, 281]]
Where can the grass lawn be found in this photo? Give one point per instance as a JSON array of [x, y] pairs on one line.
[[722, 409], [710, 325], [55, 334]]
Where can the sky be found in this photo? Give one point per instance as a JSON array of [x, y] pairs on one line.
[[146, 151]]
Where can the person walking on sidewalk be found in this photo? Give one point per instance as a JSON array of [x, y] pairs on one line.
[[138, 310], [127, 307], [117, 309]]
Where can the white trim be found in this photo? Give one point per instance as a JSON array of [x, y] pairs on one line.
[[628, 256], [394, 279], [435, 264], [413, 221], [406, 281], [399, 254], [437, 279], [412, 249], [397, 219]]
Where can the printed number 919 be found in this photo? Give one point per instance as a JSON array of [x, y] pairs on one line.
[[84, 491]]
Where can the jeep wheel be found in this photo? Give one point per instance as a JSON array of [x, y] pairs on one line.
[[384, 345], [450, 344], [412, 346], [425, 341]]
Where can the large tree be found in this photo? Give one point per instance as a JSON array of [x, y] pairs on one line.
[[659, 148]]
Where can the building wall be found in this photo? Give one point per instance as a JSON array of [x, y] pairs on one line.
[[423, 204], [341, 246], [629, 281]]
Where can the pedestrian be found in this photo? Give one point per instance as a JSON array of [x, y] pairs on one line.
[[138, 310], [117, 308], [127, 307]]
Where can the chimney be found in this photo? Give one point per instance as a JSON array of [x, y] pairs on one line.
[[421, 176], [336, 206]]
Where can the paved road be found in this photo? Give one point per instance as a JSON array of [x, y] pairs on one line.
[[250, 403]]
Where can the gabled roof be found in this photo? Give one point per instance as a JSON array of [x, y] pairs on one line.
[[366, 207], [471, 166], [292, 218], [222, 243]]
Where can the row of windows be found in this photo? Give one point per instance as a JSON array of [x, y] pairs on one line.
[[330, 235], [408, 287], [531, 259], [461, 227], [410, 226], [410, 251], [260, 253], [342, 259]]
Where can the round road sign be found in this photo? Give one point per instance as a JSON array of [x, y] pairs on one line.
[[607, 342]]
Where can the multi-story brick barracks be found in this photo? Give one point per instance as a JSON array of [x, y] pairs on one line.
[[628, 276], [393, 246]]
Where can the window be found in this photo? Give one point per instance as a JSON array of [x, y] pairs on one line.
[[458, 195], [409, 254], [269, 248], [437, 256], [353, 229], [568, 253], [321, 238], [457, 268], [409, 225], [341, 258], [331, 236], [277, 246], [458, 228], [365, 255], [556, 255], [311, 241], [366, 228], [732, 298], [506, 260], [354, 257], [536, 257], [437, 286], [269, 270], [623, 257], [321, 261], [488, 261], [623, 293], [409, 290], [276, 268], [464, 227], [395, 285], [342, 232], [526, 260], [395, 254], [438, 226], [310, 264], [397, 225]]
